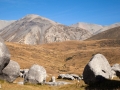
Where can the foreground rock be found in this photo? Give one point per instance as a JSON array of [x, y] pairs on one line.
[[116, 69], [36, 75], [97, 70], [11, 71], [4, 55]]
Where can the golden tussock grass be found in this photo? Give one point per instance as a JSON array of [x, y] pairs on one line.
[[62, 57]]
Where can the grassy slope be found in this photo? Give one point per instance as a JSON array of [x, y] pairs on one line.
[[63, 57]]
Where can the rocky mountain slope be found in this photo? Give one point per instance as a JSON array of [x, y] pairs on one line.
[[4, 23], [34, 29], [92, 28], [108, 27], [113, 33]]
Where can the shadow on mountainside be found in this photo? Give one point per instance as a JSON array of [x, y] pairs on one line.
[[105, 85]]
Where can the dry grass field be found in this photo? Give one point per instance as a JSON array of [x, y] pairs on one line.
[[61, 57]]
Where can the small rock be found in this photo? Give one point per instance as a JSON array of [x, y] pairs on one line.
[[76, 76], [58, 83], [52, 79], [66, 76], [116, 70]]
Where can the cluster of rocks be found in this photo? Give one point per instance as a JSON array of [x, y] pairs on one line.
[[10, 70], [98, 69]]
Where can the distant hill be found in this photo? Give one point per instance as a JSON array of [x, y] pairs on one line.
[[113, 33], [92, 28], [4, 23], [108, 27], [33, 29]]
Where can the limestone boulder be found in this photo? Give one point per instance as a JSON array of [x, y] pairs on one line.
[[11, 71], [97, 70], [116, 70], [36, 75], [4, 55]]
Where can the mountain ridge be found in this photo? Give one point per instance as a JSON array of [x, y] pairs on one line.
[[4, 23], [33, 29], [113, 33]]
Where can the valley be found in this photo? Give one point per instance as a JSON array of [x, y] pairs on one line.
[[64, 57]]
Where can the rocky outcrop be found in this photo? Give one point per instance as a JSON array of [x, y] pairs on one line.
[[11, 71], [97, 70], [4, 55], [34, 29], [36, 75]]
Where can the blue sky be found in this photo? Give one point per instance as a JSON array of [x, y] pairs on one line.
[[104, 12]]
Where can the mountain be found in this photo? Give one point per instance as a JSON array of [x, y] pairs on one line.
[[4, 23], [108, 27], [113, 33], [33, 29], [92, 28]]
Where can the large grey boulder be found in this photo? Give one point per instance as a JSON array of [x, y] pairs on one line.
[[4, 55], [11, 71], [116, 69], [36, 75], [97, 70]]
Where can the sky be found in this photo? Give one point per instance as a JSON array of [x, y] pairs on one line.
[[68, 12]]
